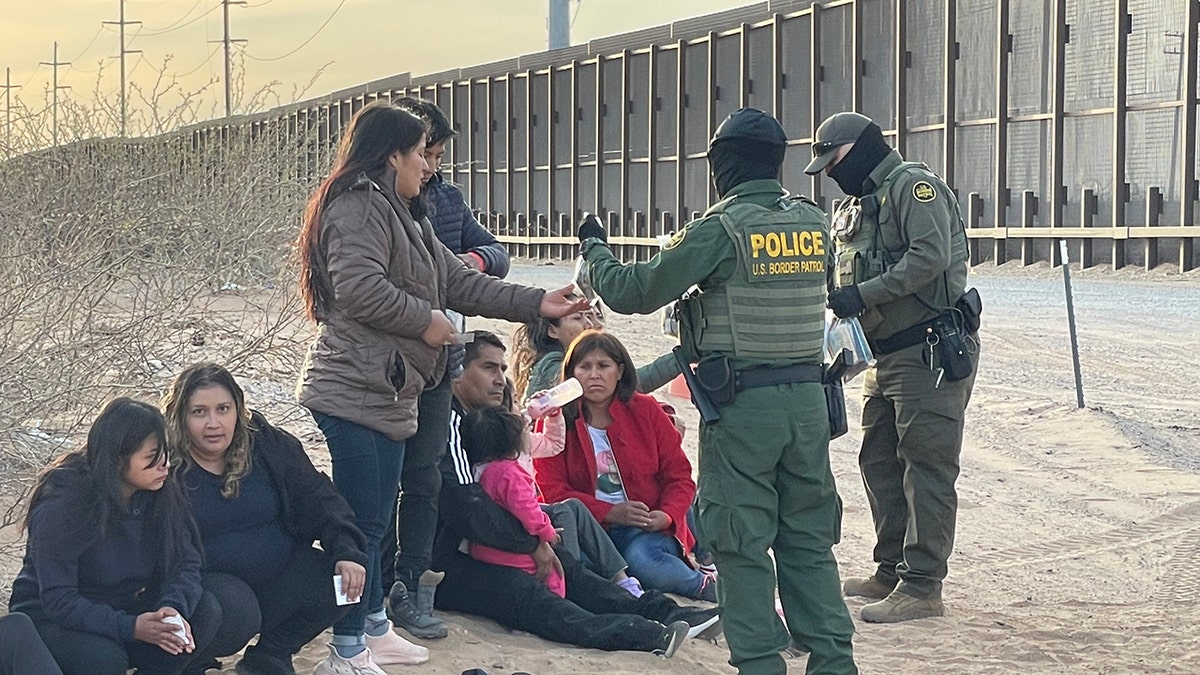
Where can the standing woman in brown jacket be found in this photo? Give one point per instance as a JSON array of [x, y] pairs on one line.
[[376, 280]]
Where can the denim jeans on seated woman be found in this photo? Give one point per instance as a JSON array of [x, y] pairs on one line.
[[366, 471], [654, 558]]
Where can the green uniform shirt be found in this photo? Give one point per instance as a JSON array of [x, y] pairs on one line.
[[701, 254], [920, 227]]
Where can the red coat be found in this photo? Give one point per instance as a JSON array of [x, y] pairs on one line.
[[649, 455]]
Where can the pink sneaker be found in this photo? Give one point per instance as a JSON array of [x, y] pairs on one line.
[[362, 664], [390, 649]]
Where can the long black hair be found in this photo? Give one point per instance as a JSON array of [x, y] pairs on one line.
[[493, 433], [91, 480], [374, 134]]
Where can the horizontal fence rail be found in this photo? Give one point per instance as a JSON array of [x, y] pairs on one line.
[[1052, 120]]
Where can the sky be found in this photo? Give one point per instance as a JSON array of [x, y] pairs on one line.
[[289, 42]]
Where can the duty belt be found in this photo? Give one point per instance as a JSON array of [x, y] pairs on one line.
[[752, 378], [904, 339]]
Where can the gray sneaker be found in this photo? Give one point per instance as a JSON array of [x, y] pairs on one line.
[[673, 637], [415, 615]]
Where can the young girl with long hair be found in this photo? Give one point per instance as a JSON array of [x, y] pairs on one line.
[[111, 575], [494, 439]]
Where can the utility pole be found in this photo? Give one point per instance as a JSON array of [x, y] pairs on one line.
[[55, 64], [8, 87], [124, 85], [559, 24], [228, 42]]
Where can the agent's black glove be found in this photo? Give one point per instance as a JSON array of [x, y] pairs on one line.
[[846, 302], [592, 227]]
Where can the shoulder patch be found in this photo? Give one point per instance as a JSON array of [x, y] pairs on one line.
[[923, 192], [676, 239]]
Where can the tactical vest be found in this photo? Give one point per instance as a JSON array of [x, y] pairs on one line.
[[867, 255], [772, 309]]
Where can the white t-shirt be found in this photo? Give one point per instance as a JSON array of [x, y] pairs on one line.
[[609, 487]]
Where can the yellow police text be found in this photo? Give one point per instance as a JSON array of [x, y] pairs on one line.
[[780, 245]]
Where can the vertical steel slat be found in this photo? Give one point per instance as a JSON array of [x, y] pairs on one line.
[[1120, 188], [1001, 197]]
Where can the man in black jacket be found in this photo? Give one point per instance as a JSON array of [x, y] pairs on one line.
[[596, 613]]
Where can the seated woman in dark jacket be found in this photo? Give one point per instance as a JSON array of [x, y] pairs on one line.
[[260, 504], [111, 576]]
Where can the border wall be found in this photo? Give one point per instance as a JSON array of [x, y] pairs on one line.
[[1052, 119]]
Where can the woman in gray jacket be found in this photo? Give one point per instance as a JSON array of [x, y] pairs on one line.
[[377, 281]]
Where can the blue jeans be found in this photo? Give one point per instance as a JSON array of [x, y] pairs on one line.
[[654, 558], [366, 471]]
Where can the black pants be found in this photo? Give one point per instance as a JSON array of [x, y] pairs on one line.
[[287, 614], [22, 651], [406, 554], [82, 653], [596, 614]]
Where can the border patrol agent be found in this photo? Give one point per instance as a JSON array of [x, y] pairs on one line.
[[902, 269], [756, 266]]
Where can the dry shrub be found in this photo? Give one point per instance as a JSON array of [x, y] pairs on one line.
[[121, 261]]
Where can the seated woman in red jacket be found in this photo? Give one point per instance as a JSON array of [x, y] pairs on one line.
[[625, 461]]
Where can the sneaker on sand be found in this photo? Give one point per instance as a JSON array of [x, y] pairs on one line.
[[708, 588], [868, 587], [360, 664], [672, 637], [707, 629], [415, 615], [900, 606], [390, 649]]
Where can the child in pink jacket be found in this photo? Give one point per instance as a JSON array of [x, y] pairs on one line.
[[494, 438]]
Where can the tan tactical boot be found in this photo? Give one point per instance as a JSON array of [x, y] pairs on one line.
[[900, 606], [868, 587]]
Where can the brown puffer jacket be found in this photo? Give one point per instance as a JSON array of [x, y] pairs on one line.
[[368, 363]]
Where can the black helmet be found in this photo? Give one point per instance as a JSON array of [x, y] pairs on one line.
[[749, 124], [837, 130]]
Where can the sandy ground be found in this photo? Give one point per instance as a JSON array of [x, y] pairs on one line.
[[1079, 529]]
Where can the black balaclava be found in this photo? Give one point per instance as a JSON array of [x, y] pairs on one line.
[[869, 150], [734, 161]]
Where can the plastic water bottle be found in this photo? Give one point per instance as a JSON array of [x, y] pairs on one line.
[[564, 393]]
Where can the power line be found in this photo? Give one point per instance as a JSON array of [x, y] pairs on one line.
[[203, 63], [171, 28], [90, 43], [302, 44]]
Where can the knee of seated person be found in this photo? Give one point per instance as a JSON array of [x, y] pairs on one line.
[[649, 546], [575, 505], [236, 624], [16, 626]]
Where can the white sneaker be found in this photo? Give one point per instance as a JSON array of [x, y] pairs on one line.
[[361, 664], [390, 649]]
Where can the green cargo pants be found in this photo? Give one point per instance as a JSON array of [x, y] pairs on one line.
[[912, 438], [765, 484]]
